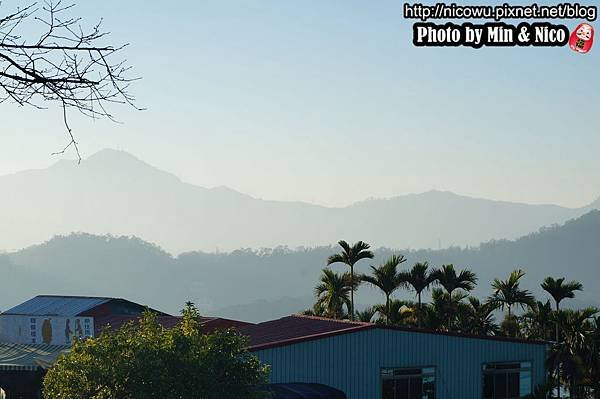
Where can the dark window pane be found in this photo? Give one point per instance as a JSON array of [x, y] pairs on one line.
[[402, 388], [416, 388], [488, 386], [500, 386], [508, 366], [387, 389], [513, 385], [407, 372]]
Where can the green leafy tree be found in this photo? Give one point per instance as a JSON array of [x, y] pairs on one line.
[[570, 357], [443, 311], [333, 293], [144, 360], [593, 359], [476, 317], [537, 321], [366, 315], [387, 278], [351, 255], [559, 290], [420, 279], [451, 281], [456, 286], [508, 293], [397, 312]]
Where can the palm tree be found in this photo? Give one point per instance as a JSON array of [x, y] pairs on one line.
[[397, 312], [444, 308], [593, 359], [366, 315], [332, 293], [317, 310], [508, 293], [419, 278], [569, 356], [350, 255], [387, 278], [447, 278], [560, 290], [538, 321], [451, 282], [477, 317]]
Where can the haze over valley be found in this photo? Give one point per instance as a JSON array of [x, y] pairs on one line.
[[263, 284]]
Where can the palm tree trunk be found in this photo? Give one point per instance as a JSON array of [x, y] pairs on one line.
[[352, 292], [387, 308], [420, 315], [557, 327], [557, 343]]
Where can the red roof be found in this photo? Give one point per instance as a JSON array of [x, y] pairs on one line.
[[209, 324], [295, 328], [298, 328]]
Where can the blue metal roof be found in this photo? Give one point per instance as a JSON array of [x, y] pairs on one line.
[[52, 305]]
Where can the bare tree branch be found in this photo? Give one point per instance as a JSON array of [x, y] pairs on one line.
[[65, 64]]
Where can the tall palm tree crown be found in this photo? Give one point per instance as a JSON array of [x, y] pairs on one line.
[[508, 293], [477, 317], [333, 293], [387, 278], [447, 278], [419, 278], [350, 255], [560, 290]]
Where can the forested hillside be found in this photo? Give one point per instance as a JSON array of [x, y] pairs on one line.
[[258, 284]]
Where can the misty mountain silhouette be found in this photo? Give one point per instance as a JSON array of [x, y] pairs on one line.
[[114, 192], [261, 284]]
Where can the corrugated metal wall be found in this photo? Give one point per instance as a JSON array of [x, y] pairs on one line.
[[352, 362]]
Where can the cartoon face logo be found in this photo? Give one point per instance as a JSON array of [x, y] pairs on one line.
[[584, 32], [582, 38]]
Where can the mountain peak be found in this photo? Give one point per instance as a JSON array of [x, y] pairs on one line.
[[111, 156]]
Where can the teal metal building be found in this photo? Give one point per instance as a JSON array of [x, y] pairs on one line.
[[368, 361]]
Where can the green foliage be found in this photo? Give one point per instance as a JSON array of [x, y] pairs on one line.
[[451, 281], [419, 278], [333, 293], [508, 293], [366, 315], [144, 360], [387, 278], [350, 255], [559, 290], [574, 361]]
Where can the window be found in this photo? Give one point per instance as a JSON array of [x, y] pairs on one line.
[[506, 380], [413, 383]]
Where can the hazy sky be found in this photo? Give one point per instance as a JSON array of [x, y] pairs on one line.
[[328, 102]]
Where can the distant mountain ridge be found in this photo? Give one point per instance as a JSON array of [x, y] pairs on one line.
[[257, 285], [112, 192]]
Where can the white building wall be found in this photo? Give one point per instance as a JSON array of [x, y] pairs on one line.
[[50, 330]]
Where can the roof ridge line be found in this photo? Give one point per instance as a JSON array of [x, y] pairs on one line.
[[351, 322], [311, 337]]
